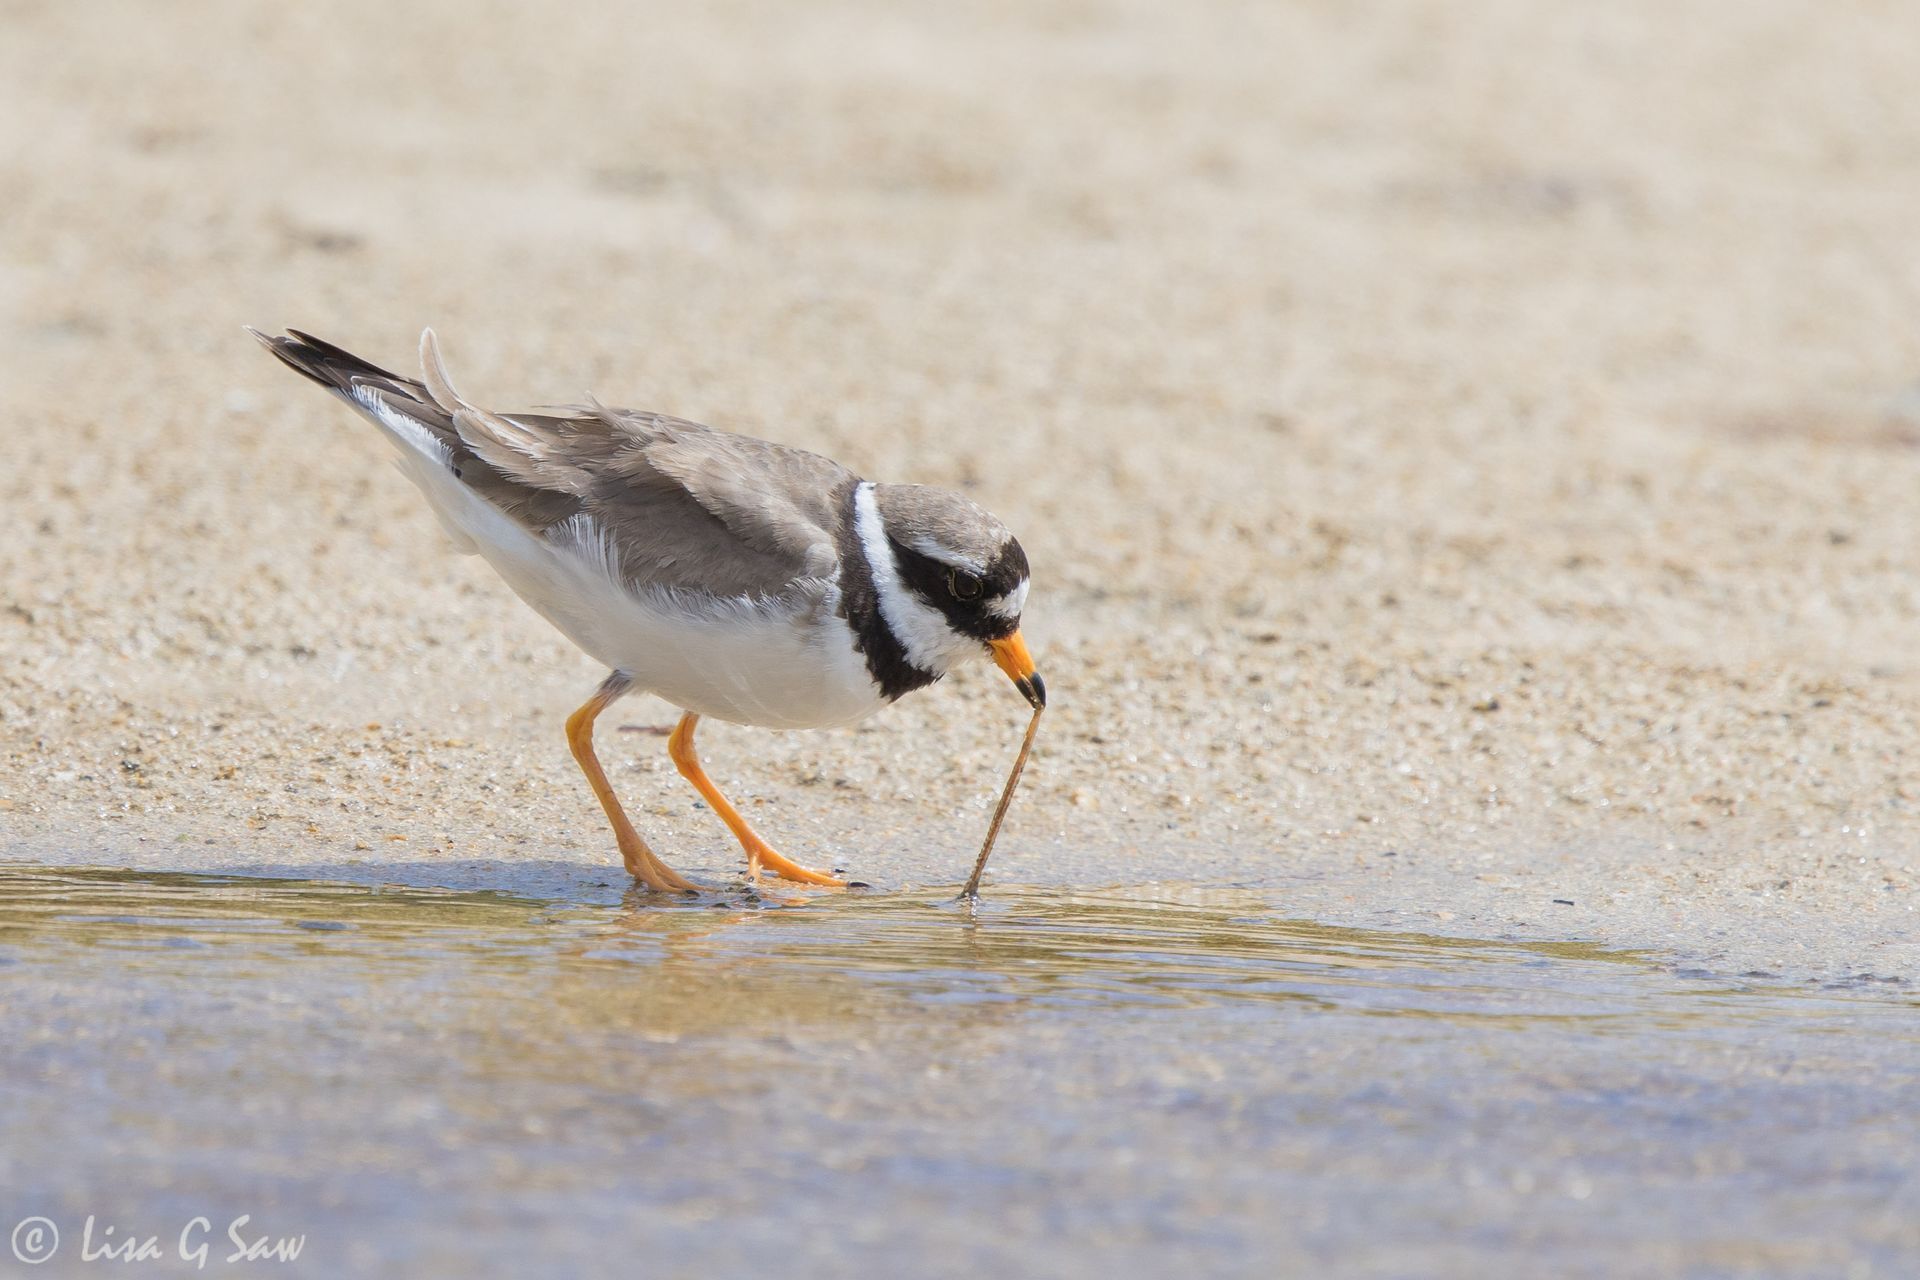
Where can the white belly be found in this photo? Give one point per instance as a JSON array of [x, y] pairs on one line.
[[780, 664], [785, 663], [748, 664]]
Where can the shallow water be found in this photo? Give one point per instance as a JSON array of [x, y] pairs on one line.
[[424, 1082]]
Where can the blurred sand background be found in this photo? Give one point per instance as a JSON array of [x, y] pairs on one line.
[[1470, 453]]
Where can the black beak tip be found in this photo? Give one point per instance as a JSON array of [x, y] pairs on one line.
[[1034, 689]]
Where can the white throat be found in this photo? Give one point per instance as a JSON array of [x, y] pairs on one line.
[[922, 630]]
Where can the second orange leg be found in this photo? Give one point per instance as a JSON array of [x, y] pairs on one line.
[[759, 852]]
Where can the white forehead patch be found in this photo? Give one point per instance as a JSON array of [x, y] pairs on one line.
[[1011, 604]]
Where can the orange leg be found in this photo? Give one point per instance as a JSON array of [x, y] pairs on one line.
[[759, 852], [640, 860]]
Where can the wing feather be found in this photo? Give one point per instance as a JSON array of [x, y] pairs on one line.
[[679, 505]]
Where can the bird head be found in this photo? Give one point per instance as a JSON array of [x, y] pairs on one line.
[[952, 581]]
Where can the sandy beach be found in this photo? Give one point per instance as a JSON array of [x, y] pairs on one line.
[[1470, 461]]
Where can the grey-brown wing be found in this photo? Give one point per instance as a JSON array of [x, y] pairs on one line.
[[779, 501], [682, 505]]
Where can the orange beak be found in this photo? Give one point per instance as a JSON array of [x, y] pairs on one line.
[[1011, 656]]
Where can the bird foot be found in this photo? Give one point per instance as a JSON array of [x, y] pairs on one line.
[[645, 867], [761, 854]]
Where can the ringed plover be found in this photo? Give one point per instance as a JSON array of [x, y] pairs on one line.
[[733, 577]]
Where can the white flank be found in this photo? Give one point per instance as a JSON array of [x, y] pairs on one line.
[[922, 630], [423, 460], [783, 662]]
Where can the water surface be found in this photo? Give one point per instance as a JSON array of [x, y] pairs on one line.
[[1138, 1082]]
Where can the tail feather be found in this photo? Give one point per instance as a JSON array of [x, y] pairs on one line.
[[446, 446], [400, 406], [334, 368]]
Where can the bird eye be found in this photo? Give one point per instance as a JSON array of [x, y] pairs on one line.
[[963, 585]]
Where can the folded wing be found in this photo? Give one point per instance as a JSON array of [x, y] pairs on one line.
[[676, 504]]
